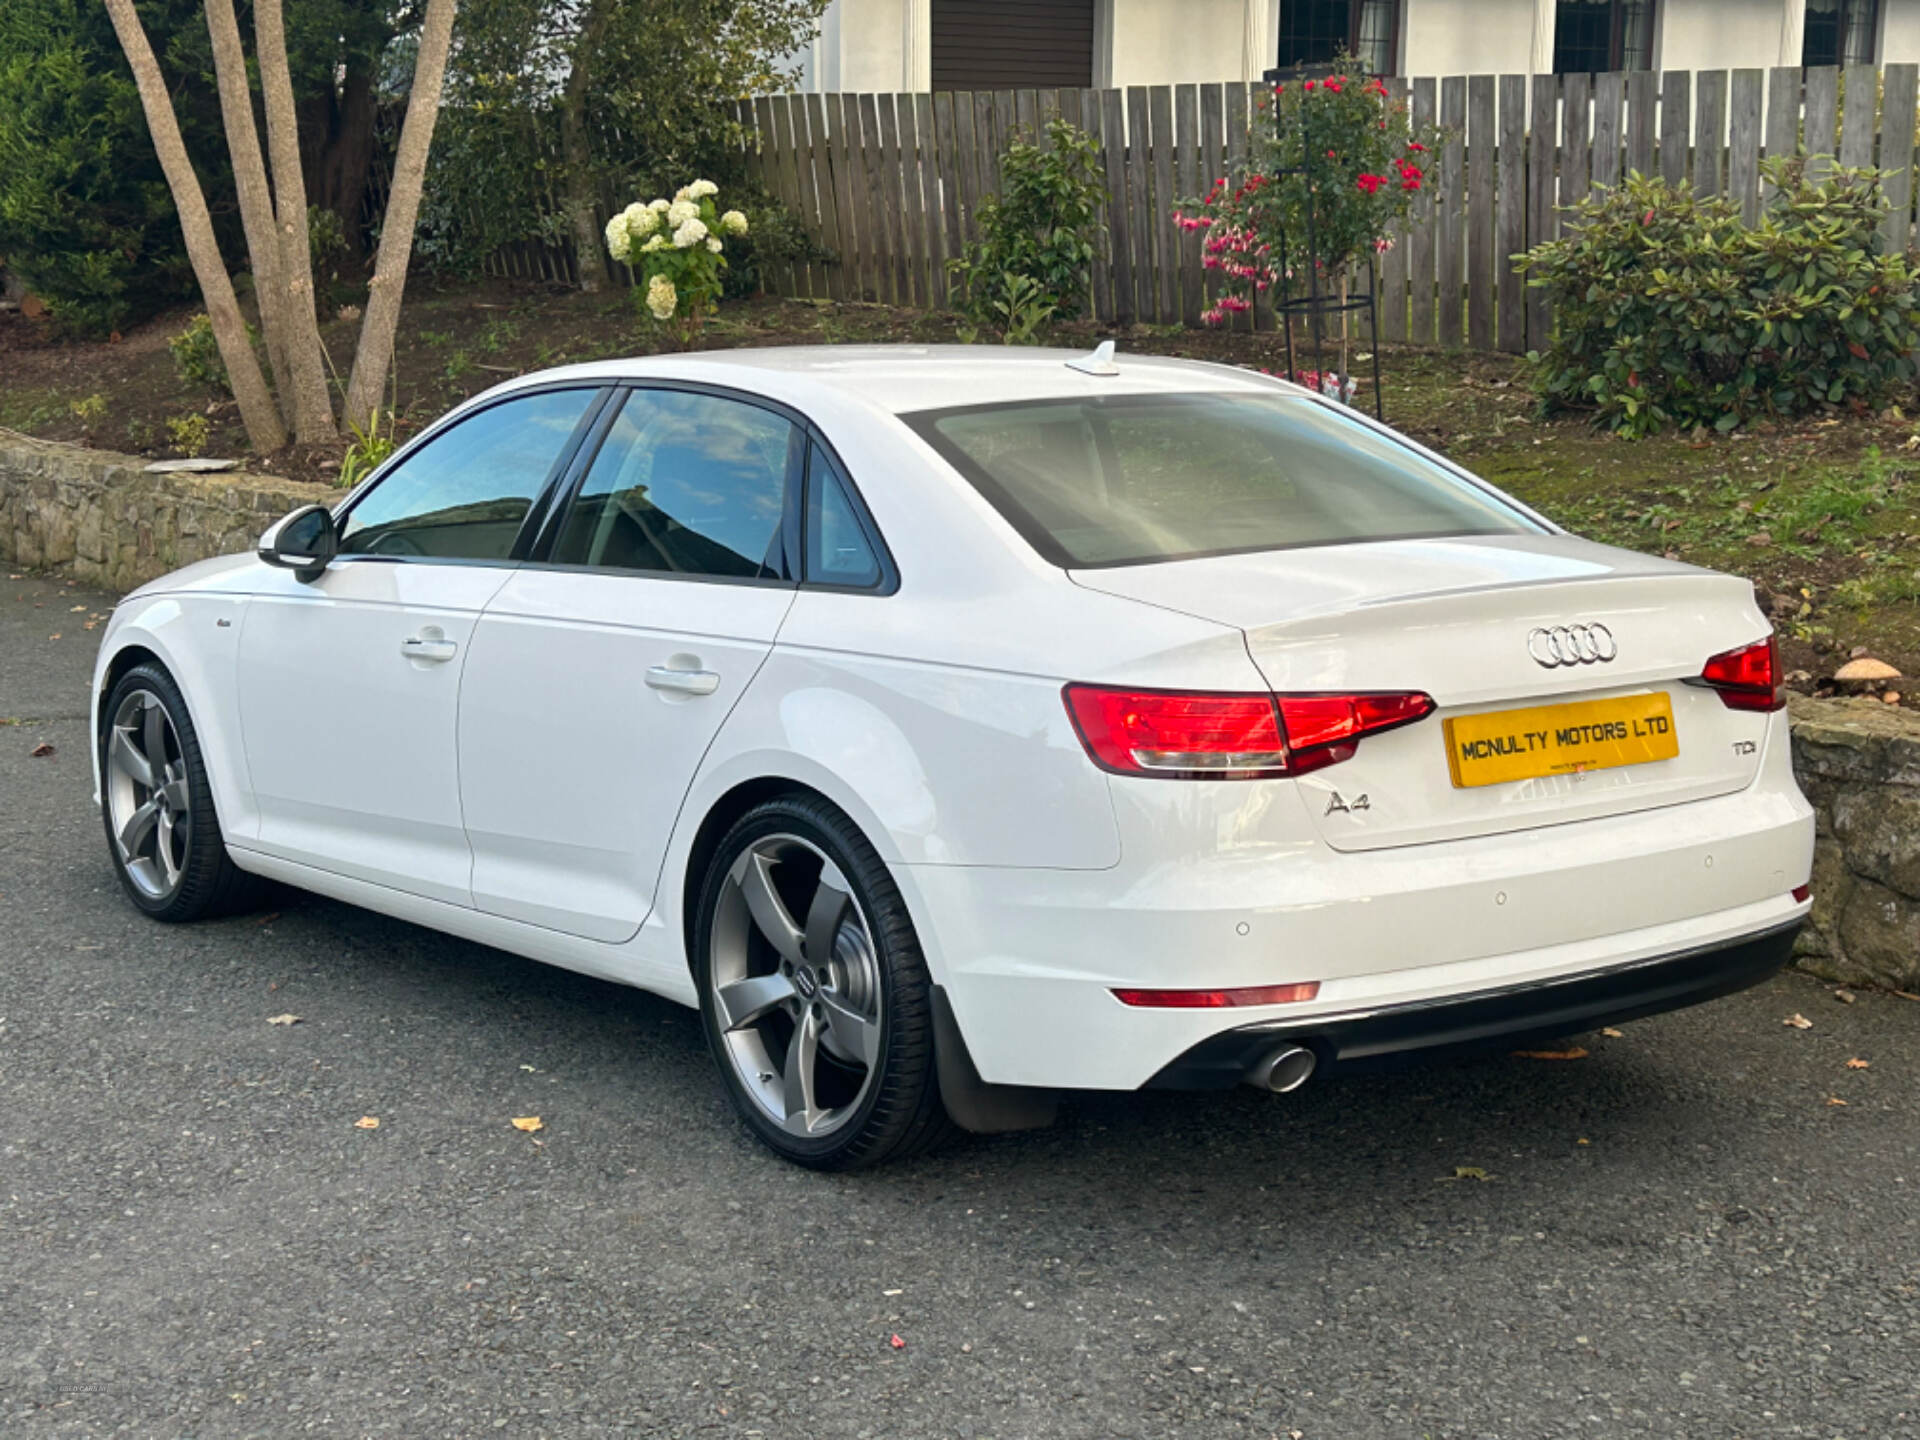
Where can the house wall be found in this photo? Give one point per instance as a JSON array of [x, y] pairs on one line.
[[1717, 34], [1899, 31], [1155, 43], [1465, 37]]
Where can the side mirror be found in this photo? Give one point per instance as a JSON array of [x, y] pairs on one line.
[[303, 541]]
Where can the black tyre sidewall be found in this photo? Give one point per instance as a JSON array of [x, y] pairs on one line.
[[905, 1078]]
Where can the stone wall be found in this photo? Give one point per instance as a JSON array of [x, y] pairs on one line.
[[103, 519], [1859, 762]]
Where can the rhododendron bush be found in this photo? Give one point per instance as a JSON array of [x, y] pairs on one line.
[[1340, 146], [677, 249]]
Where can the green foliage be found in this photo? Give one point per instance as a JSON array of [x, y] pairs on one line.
[[89, 408], [1668, 310], [86, 220], [189, 433], [1016, 309], [196, 355], [368, 451], [1337, 151], [1040, 231], [774, 237]]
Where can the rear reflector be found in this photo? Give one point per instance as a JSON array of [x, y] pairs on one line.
[[1219, 999], [1802, 893], [1747, 678], [1211, 736]]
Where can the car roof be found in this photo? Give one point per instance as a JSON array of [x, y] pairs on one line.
[[905, 378]]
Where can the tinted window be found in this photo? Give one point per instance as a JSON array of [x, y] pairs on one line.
[[1161, 477], [464, 494], [837, 548], [686, 483]]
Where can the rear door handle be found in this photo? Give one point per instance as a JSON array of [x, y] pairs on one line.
[[418, 647], [683, 682]]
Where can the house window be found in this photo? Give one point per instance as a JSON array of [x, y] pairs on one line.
[[1840, 32], [1312, 32], [1011, 44], [1591, 37]]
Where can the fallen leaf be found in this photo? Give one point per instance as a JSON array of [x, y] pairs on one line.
[[1798, 1021], [893, 1292], [1857, 1064], [268, 918], [367, 1122], [1907, 995], [1467, 1172], [896, 1342], [1845, 997], [283, 1020], [529, 1123], [78, 609], [1611, 1033], [1576, 1052], [1835, 1100], [1583, 1141], [41, 751]]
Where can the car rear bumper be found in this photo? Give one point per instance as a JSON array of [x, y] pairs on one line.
[[1504, 1016]]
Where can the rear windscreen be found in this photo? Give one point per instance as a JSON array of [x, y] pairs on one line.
[[1137, 478]]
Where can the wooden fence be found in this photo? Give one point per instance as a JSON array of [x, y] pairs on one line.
[[891, 185]]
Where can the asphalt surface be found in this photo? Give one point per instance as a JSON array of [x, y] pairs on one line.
[[1678, 1235]]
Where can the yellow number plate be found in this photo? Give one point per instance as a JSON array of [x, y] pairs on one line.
[[1506, 745]]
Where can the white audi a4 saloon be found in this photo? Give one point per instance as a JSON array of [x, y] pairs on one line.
[[956, 727]]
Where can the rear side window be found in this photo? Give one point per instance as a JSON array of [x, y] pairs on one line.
[[1138, 478], [686, 484], [464, 494], [838, 551]]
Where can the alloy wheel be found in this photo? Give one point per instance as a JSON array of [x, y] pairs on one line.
[[796, 985], [148, 799]]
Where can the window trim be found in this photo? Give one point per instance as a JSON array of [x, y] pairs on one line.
[[1003, 504], [531, 522]]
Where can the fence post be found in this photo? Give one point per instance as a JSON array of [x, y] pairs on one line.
[[1896, 152], [1540, 216], [1743, 144], [1674, 127], [1822, 111], [1421, 227], [1140, 205], [1393, 274], [1113, 147], [1609, 92], [1186, 158], [1452, 207], [1166, 247], [1710, 127], [1481, 148], [1511, 221], [1856, 127]]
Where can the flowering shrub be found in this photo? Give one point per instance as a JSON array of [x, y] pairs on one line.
[[1337, 146], [677, 253]]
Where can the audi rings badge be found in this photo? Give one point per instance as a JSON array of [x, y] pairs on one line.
[[1586, 644]]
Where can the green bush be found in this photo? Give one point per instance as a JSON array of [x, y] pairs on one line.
[[1668, 310], [1040, 230], [196, 355]]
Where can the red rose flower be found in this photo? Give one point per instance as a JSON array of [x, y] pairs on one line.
[[1371, 183]]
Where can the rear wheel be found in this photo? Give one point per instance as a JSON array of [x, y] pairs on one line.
[[162, 833], [814, 991]]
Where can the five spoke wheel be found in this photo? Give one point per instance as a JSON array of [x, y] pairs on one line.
[[149, 804], [796, 985]]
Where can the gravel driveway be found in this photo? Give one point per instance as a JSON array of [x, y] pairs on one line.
[[1680, 1234]]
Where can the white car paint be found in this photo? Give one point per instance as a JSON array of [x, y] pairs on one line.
[[532, 792]]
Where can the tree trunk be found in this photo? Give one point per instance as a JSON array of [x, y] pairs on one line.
[[265, 432], [306, 360], [337, 145], [577, 153], [375, 350], [250, 180]]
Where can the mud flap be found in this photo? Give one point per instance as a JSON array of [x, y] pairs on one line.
[[973, 1103]]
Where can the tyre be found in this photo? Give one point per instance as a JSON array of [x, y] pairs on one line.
[[162, 833], [814, 992]]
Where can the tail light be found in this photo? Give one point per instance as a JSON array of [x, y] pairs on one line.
[[1219, 999], [1748, 678], [1210, 736]]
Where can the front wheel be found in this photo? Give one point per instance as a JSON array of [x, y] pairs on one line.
[[814, 992]]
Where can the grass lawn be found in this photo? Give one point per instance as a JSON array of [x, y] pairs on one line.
[[1823, 515]]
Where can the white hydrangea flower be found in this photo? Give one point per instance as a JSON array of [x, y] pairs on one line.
[[713, 245], [691, 232], [634, 213], [684, 193], [657, 205], [642, 221], [680, 212], [619, 242], [734, 223], [656, 241], [699, 189], [662, 298]]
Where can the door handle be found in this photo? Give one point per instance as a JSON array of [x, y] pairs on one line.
[[418, 647], [683, 682]]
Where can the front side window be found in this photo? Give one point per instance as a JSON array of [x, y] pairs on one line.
[[1592, 37], [1839, 32], [465, 493], [1314, 32], [687, 484], [1142, 478]]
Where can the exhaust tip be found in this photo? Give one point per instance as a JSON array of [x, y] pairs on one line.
[[1283, 1069]]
